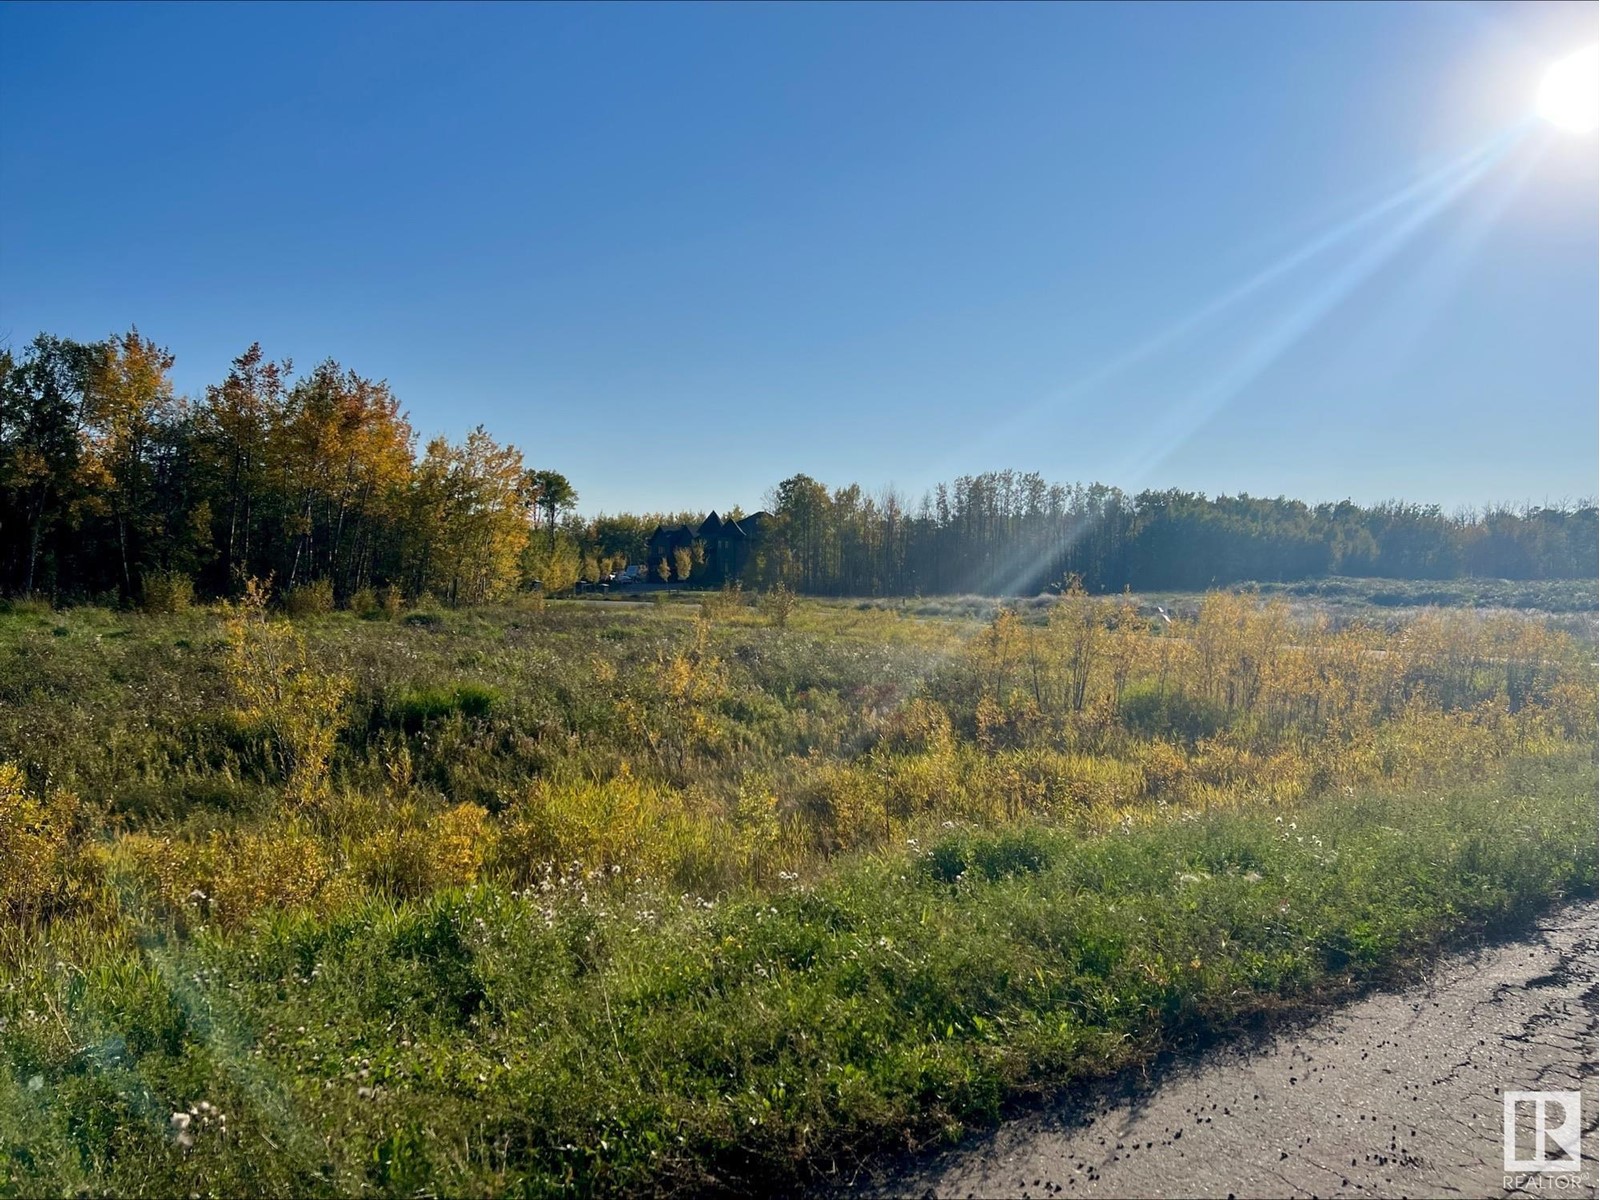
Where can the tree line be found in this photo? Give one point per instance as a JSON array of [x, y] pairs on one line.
[[1013, 533], [111, 484]]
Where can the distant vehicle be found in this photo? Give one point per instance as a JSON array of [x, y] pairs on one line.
[[633, 574]]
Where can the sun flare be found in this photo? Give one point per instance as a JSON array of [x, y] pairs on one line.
[[1569, 93]]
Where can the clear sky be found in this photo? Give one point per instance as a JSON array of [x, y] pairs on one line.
[[680, 252]]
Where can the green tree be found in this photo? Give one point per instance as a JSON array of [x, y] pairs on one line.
[[467, 528], [44, 410], [554, 494], [237, 430], [345, 456], [130, 399]]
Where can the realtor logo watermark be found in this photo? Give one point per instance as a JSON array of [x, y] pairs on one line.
[[1543, 1138]]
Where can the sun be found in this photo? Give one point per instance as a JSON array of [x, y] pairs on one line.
[[1569, 93]]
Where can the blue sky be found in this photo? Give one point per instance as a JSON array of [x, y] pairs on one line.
[[682, 252]]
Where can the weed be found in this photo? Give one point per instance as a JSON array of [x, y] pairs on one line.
[[309, 599], [778, 604], [167, 592], [616, 898], [281, 690]]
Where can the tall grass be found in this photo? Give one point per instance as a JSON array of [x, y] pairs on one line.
[[680, 898], [593, 1033]]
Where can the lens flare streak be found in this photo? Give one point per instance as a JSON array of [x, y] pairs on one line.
[[1418, 190], [1420, 203]]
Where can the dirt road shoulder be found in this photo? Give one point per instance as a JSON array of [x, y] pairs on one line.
[[1398, 1094]]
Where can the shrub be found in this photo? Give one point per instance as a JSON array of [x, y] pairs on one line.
[[415, 857], [377, 604], [152, 800], [425, 612], [920, 725], [310, 599], [167, 592], [40, 847], [33, 605], [271, 868], [418, 706], [723, 603], [228, 877], [993, 856], [623, 821], [778, 605], [1152, 712], [279, 688]]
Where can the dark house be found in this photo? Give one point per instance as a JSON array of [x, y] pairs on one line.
[[728, 546]]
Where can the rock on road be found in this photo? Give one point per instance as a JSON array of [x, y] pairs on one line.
[[1398, 1094]]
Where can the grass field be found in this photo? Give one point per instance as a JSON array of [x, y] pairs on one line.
[[677, 897], [1570, 603]]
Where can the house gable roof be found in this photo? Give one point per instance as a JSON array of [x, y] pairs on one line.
[[751, 525]]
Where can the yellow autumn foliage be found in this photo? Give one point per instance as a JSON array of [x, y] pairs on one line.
[[416, 854], [225, 877], [41, 847], [280, 689]]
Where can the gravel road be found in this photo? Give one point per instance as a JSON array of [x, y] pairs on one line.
[[1398, 1094]]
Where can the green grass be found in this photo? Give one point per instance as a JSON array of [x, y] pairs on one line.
[[1545, 595], [723, 995], [591, 1034], [415, 707], [126, 709]]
